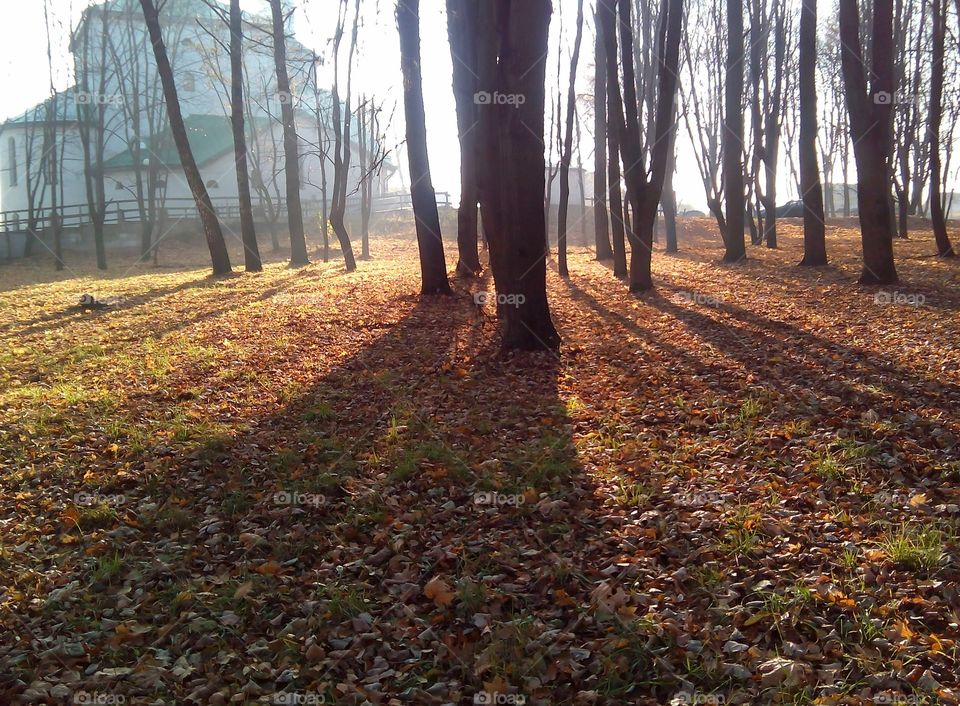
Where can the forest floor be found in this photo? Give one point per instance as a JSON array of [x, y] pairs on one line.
[[307, 486]]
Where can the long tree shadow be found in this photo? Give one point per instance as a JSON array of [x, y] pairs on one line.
[[416, 512]]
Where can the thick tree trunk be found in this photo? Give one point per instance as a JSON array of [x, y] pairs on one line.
[[248, 234], [871, 127], [944, 247], [433, 268], [568, 149], [601, 226], [736, 249], [291, 152], [462, 14], [219, 256], [615, 128], [814, 233], [512, 40]]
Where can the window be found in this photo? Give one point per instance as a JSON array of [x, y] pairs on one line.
[[213, 184], [12, 157]]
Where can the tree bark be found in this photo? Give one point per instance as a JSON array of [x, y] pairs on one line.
[[735, 244], [341, 132], [944, 247], [248, 234], [219, 256], [615, 129], [814, 233], [568, 149], [512, 40], [462, 14], [433, 268], [871, 128]]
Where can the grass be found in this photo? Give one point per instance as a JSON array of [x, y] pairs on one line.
[[914, 546]]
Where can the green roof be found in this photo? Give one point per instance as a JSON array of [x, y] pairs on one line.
[[210, 137]]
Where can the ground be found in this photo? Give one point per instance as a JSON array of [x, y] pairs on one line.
[[305, 485]]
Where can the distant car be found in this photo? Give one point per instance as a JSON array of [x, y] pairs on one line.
[[791, 209], [693, 213]]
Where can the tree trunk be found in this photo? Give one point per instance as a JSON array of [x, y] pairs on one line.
[[219, 256], [291, 151], [736, 249], [568, 148], [944, 247], [814, 233], [433, 268], [668, 199], [251, 251], [601, 226], [871, 128], [341, 124], [512, 40], [615, 129], [462, 14]]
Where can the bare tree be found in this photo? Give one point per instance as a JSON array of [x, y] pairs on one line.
[[512, 41], [814, 232], [601, 229], [341, 131], [219, 256], [461, 15], [291, 151], [567, 148], [433, 268], [251, 251], [733, 181], [871, 126], [944, 247]]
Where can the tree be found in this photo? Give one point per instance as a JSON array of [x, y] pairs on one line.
[[433, 268], [53, 166], [814, 232], [601, 230], [512, 49], [219, 256], [462, 14], [606, 10], [733, 186], [291, 152], [944, 248], [341, 133], [871, 129], [567, 151], [251, 252]]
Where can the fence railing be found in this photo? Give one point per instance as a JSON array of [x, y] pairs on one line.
[[227, 208]]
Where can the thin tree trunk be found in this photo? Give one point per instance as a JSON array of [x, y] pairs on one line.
[[248, 234], [736, 250], [601, 226], [433, 268], [462, 14], [814, 233], [944, 247], [568, 148], [291, 151], [219, 256], [341, 122]]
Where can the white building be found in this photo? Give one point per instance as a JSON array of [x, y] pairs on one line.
[[114, 118]]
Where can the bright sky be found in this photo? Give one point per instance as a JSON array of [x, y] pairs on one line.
[[23, 64]]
